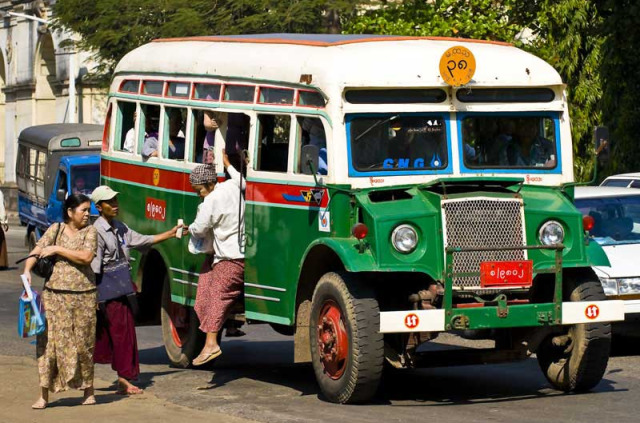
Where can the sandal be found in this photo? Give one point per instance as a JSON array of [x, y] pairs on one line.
[[206, 357], [41, 404]]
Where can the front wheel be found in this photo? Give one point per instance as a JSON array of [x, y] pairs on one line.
[[182, 338], [347, 350], [577, 359]]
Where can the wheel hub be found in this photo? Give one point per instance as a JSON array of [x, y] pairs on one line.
[[179, 321], [333, 341]]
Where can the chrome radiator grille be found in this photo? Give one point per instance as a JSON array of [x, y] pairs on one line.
[[485, 223]]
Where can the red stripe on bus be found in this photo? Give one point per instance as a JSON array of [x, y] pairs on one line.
[[261, 192], [160, 178]]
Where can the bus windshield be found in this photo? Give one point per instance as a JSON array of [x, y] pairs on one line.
[[394, 142], [520, 142]]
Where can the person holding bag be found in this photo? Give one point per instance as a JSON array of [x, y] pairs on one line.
[[116, 334], [221, 280], [65, 349]]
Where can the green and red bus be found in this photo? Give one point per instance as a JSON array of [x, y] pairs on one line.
[[396, 188]]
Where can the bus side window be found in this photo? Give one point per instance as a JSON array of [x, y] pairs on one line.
[[273, 142], [149, 126], [311, 132], [198, 134], [126, 139], [237, 138], [174, 132]]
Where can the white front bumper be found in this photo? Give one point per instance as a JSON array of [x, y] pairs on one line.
[[572, 313]]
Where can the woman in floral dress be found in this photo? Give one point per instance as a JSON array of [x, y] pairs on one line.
[[65, 349]]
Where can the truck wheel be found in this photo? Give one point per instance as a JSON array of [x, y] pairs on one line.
[[577, 359], [347, 351], [31, 240], [182, 338]]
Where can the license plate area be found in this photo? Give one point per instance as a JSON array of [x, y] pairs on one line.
[[512, 274]]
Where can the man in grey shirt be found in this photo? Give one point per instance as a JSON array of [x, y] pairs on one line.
[[116, 335]]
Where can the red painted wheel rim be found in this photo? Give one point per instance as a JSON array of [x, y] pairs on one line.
[[179, 323], [333, 340]]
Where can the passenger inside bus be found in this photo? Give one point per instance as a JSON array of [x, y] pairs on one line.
[[150, 146], [176, 135], [313, 134], [130, 138]]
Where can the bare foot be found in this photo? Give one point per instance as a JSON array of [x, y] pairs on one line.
[[89, 398], [127, 388]]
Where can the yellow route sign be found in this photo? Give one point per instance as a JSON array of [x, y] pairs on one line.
[[457, 66]]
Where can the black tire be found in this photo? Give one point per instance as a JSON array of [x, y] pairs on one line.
[[31, 240], [184, 344], [353, 374], [582, 368]]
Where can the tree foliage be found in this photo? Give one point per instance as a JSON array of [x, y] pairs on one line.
[[111, 28], [620, 75]]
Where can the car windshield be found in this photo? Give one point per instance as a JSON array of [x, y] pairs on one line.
[[396, 143], [519, 142], [84, 179], [616, 219]]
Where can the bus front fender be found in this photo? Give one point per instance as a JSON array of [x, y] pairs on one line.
[[354, 258]]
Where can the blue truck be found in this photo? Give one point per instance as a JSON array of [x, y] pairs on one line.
[[53, 161]]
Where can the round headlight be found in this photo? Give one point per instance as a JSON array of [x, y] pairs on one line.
[[404, 239], [551, 233]]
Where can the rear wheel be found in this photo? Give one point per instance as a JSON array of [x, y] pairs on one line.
[[182, 338], [31, 240], [577, 359], [347, 350]]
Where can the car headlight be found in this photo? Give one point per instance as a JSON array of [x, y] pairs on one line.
[[404, 239], [620, 286], [551, 233], [609, 286], [628, 286]]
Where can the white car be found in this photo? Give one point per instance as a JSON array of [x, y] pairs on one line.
[[625, 180], [616, 227]]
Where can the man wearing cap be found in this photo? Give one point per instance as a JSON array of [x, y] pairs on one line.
[[116, 336]]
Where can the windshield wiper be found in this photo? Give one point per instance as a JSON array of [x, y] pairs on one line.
[[375, 125]]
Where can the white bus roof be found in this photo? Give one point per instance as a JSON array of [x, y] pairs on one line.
[[336, 61]]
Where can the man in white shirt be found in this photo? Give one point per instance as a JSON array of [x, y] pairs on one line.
[[221, 278]]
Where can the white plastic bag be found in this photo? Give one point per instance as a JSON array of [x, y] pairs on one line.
[[201, 245]]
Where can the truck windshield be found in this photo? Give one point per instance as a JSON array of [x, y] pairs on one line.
[[84, 179], [616, 219], [519, 142], [393, 142]]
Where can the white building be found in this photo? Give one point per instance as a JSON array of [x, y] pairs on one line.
[[34, 80]]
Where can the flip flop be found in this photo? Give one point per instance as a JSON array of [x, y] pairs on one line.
[[131, 390], [206, 357], [236, 333]]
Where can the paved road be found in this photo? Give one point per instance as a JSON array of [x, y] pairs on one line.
[[256, 379]]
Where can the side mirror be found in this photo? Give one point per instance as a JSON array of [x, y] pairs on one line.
[[601, 141], [61, 195], [309, 159]]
